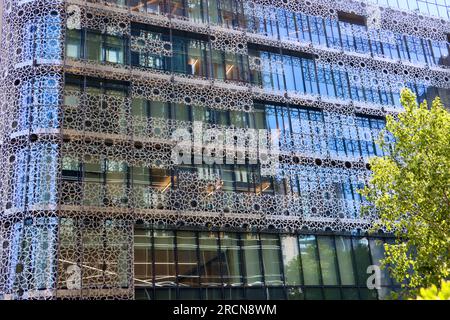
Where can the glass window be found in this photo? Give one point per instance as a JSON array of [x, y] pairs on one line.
[[309, 76], [159, 109], [187, 259], [255, 294], [271, 117], [230, 259], [233, 293], [332, 293], [143, 294], [313, 294], [93, 172], [139, 108], [347, 36], [310, 261], [229, 10], [235, 67], [290, 73], [177, 7], [179, 59], [303, 27], [32, 246], [181, 112], [165, 294], [200, 114], [362, 259], [361, 38], [41, 38], [332, 32], [197, 58], [211, 294], [139, 113], [189, 294], [219, 117], [160, 178], [377, 251], [328, 263], [227, 176], [114, 49], [73, 43], [164, 257], [325, 79], [218, 64], [276, 293], [141, 175], [441, 53], [317, 30], [94, 90], [242, 177], [350, 294], [71, 95], [299, 77], [213, 10], [295, 293], [368, 294], [143, 270], [251, 256], [137, 5], [141, 183], [401, 44], [342, 85], [155, 6], [272, 74], [70, 168], [345, 261], [375, 42], [415, 49], [93, 241], [270, 246], [258, 118], [116, 174], [190, 56], [144, 58], [94, 46], [389, 45], [238, 119], [283, 16], [291, 260], [195, 10], [209, 259]]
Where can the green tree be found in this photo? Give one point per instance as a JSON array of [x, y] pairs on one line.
[[435, 293], [410, 191]]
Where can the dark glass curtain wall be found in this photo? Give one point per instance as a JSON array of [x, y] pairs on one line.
[[181, 264]]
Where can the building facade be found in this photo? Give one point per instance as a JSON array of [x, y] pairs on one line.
[[201, 149]]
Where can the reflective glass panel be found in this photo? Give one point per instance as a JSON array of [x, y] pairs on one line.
[[345, 261], [270, 246], [251, 256], [209, 259], [164, 258], [187, 259], [328, 260], [291, 260], [230, 259], [310, 260]]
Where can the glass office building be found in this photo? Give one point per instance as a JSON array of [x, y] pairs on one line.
[[202, 149]]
